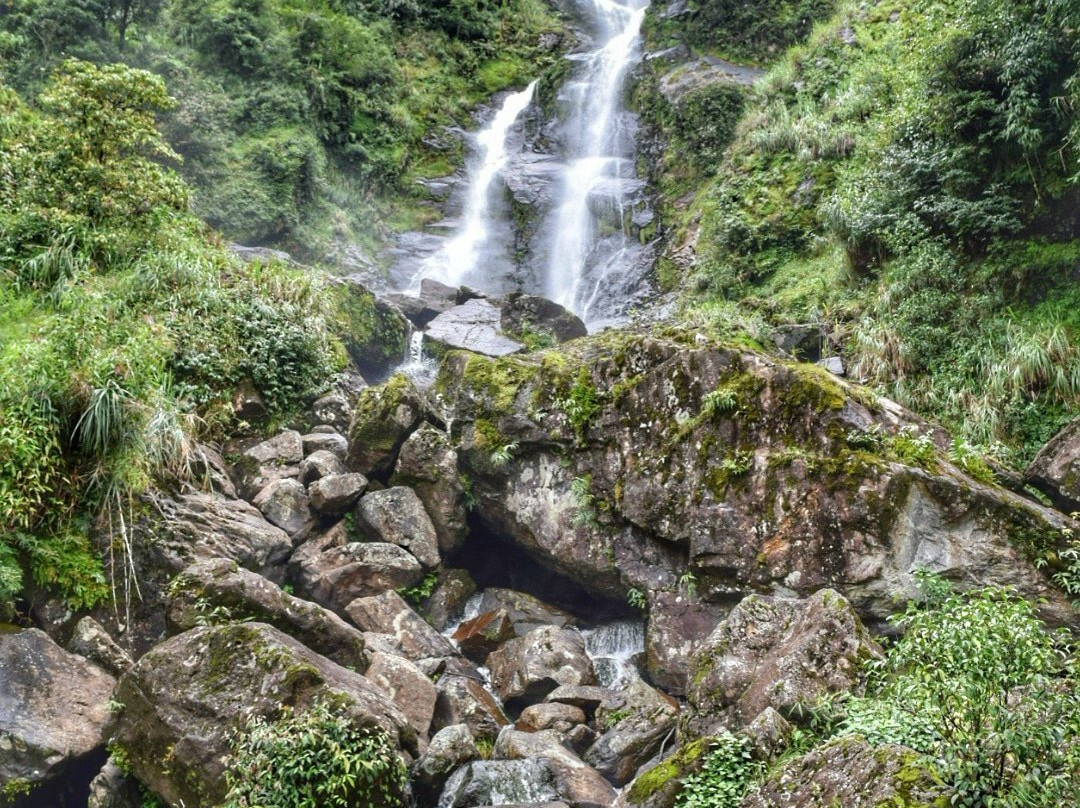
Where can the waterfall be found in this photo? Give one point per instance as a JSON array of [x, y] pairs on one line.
[[598, 174], [463, 254], [416, 365], [613, 648]]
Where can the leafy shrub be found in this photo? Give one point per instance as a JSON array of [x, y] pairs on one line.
[[979, 686], [314, 758], [726, 774]]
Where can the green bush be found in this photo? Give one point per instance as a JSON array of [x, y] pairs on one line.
[[726, 774], [314, 758]]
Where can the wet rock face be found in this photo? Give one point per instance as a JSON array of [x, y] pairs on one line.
[[474, 326], [851, 773], [54, 708], [184, 697], [776, 653]]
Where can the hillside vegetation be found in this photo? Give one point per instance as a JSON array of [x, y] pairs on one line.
[[302, 123], [908, 177]]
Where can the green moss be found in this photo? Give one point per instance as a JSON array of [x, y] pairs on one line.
[[683, 762], [374, 334]]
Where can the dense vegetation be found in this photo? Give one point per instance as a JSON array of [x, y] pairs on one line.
[[909, 178], [302, 123], [125, 327]]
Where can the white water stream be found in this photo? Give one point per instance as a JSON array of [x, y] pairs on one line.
[[598, 152], [461, 257]]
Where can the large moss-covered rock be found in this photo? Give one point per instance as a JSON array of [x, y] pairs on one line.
[[852, 773], [219, 586], [374, 332], [1056, 468], [781, 653], [383, 417], [624, 460], [184, 698]]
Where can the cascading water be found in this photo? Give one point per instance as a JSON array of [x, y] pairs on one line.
[[598, 176], [472, 248], [614, 648]]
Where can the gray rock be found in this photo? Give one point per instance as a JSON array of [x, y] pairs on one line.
[[632, 734], [412, 637], [407, 686], [336, 494], [588, 697], [428, 464], [450, 748], [521, 312], [284, 449], [1056, 468], [54, 708], [560, 717], [285, 504], [325, 442], [185, 697], [243, 595], [111, 788], [198, 526], [777, 652], [338, 575], [463, 700], [500, 782], [769, 735], [833, 364], [473, 326], [383, 418], [850, 772], [576, 783], [397, 516], [334, 409], [448, 598], [92, 641], [320, 464], [525, 669], [677, 625], [525, 612]]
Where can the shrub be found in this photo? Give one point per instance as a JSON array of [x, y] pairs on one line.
[[314, 758], [726, 774]]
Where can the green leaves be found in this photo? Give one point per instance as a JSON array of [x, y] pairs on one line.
[[726, 774], [314, 758]]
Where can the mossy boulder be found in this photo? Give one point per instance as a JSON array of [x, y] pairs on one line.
[[659, 786], [373, 331], [383, 417], [694, 472], [185, 697], [850, 772]]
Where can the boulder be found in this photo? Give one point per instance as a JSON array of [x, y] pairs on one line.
[[525, 669], [450, 748], [383, 417], [780, 653], [333, 409], [284, 449], [331, 442], [769, 734], [448, 598], [473, 326], [576, 783], [111, 788], [199, 526], [588, 697], [54, 709], [338, 575], [237, 594], [374, 332], [185, 697], [850, 772], [320, 464], [633, 734], [428, 464], [285, 504], [484, 634], [521, 312], [524, 611], [397, 516], [411, 635], [676, 626], [500, 782], [463, 700], [407, 686], [92, 641], [1056, 468], [659, 786], [334, 495], [208, 469], [560, 717]]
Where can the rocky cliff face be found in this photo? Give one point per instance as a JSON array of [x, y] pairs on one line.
[[752, 513]]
